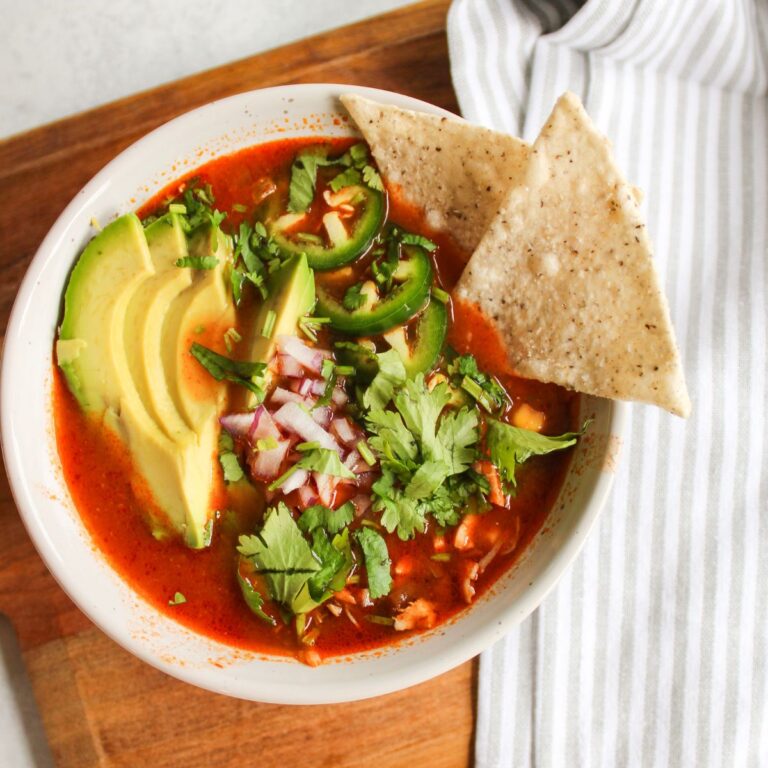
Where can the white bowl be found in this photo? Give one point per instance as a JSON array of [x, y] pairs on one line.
[[53, 523]]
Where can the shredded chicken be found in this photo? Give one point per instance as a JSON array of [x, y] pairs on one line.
[[420, 614], [470, 570]]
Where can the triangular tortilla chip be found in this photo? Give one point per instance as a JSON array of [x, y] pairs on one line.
[[565, 273], [458, 173]]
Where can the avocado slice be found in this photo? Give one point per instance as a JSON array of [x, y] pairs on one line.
[[145, 316], [95, 303], [114, 314], [291, 295], [205, 303]]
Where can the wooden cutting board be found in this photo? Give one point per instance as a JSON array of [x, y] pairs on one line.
[[100, 706]]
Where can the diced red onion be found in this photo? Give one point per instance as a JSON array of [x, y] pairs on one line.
[[281, 396], [309, 357], [237, 424], [317, 385], [265, 465], [325, 487], [362, 504], [339, 397], [342, 429], [322, 415], [296, 480], [289, 366], [293, 418], [307, 386], [355, 462], [307, 496], [262, 426]]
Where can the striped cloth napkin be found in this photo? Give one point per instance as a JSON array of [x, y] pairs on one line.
[[653, 649]]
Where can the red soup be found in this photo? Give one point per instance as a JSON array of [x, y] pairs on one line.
[[370, 463]]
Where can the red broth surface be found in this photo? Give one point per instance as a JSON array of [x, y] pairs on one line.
[[98, 471]]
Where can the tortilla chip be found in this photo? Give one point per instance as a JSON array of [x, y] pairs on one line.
[[458, 173], [565, 272]]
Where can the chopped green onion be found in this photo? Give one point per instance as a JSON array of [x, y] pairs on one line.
[[354, 579], [178, 599], [231, 336], [366, 453], [384, 620], [441, 557], [312, 446], [177, 208], [266, 443], [442, 296], [269, 324], [370, 523], [306, 237], [309, 325], [274, 485], [345, 370], [239, 207], [473, 388]]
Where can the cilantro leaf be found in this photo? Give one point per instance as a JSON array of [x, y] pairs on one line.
[[220, 367], [392, 439], [372, 179], [457, 436], [347, 178], [358, 154], [197, 262], [178, 599], [335, 563], [253, 599], [332, 520], [466, 366], [391, 375], [399, 512], [353, 297], [322, 460], [377, 562], [230, 465], [510, 446], [420, 409], [282, 554], [427, 479], [304, 178]]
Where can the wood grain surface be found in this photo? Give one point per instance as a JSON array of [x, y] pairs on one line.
[[101, 706]]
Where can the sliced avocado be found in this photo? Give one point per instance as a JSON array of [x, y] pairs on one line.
[[291, 296], [145, 316], [94, 311], [205, 303], [117, 277]]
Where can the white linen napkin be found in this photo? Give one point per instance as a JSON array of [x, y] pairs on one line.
[[653, 649]]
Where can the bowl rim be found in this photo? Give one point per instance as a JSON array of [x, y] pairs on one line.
[[482, 637]]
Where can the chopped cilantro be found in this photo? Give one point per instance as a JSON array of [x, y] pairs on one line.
[[230, 465], [321, 460], [304, 178], [346, 178], [253, 599], [332, 520], [221, 368], [377, 562], [231, 337], [488, 392], [372, 179], [197, 262], [354, 298], [310, 325], [391, 375], [178, 599], [282, 555], [510, 446]]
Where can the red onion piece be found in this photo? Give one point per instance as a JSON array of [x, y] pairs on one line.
[[342, 429], [309, 357], [237, 424], [322, 415], [362, 504], [265, 465], [289, 366], [339, 397], [293, 418], [298, 479], [281, 396], [262, 426], [325, 487], [307, 386], [307, 496]]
